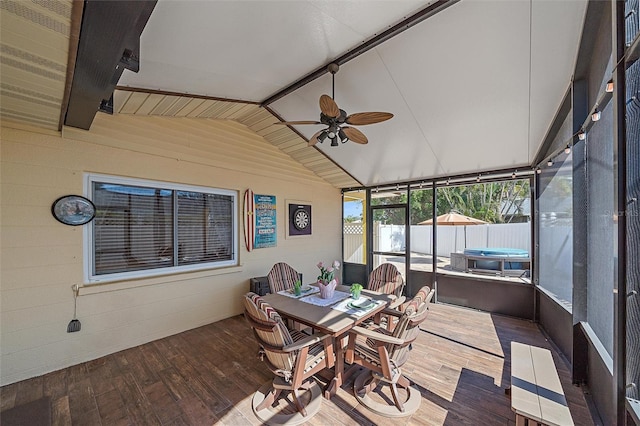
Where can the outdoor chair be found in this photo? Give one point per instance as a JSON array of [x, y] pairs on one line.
[[282, 277], [293, 357], [386, 279], [383, 353], [390, 321]]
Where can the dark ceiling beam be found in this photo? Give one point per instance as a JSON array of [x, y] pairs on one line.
[[593, 18], [109, 43], [182, 95], [74, 41], [416, 18]]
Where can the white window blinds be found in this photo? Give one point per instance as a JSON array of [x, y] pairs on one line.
[[140, 228]]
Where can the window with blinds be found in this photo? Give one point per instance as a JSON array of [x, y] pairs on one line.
[[145, 228]]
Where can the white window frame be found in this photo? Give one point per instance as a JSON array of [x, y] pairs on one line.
[[89, 258]]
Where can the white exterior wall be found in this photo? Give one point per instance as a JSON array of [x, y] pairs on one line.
[[41, 258], [451, 239]]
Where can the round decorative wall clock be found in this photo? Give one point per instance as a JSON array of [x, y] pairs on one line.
[[73, 210]]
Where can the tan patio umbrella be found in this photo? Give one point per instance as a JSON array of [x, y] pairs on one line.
[[453, 218]]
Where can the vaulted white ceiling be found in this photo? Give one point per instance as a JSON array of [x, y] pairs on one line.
[[473, 88]]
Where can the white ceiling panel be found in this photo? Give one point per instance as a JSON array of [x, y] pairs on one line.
[[466, 82], [556, 29], [250, 49]]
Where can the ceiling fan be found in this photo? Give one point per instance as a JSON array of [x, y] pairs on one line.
[[336, 119]]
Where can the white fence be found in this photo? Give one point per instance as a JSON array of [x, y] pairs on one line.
[[451, 239], [354, 243]]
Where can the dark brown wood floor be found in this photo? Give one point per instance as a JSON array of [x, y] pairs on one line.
[[460, 364]]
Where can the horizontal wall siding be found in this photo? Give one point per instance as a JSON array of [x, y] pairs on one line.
[[140, 102], [42, 258]]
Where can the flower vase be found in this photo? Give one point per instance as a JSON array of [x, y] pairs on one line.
[[327, 290]]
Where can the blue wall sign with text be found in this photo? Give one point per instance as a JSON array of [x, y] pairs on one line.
[[265, 217]]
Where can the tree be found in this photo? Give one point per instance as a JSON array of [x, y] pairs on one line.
[[493, 202]]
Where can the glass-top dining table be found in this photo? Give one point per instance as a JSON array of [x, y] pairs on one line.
[[334, 316]]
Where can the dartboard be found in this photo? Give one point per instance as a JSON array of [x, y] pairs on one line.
[[301, 219]]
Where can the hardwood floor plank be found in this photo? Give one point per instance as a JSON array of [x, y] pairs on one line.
[[87, 418], [8, 396], [175, 384], [179, 421], [163, 405], [138, 407], [153, 358], [234, 417], [196, 411], [55, 384], [138, 366], [101, 377], [76, 373], [29, 390], [82, 404], [60, 412], [111, 408], [200, 384]]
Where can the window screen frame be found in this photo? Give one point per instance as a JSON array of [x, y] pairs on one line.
[[89, 250]]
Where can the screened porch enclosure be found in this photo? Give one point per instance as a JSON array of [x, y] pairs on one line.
[[497, 217]]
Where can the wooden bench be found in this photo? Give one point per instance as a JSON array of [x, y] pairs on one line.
[[536, 392]]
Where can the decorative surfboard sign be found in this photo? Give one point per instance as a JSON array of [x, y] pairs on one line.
[[249, 219]]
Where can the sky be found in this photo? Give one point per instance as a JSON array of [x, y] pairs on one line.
[[353, 208]]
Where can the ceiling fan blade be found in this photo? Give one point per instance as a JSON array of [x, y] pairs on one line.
[[363, 118], [355, 135], [294, 123], [314, 139], [329, 107]]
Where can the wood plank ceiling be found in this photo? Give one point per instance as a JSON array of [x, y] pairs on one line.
[[252, 115], [34, 51]]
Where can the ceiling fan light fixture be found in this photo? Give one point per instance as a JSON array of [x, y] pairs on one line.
[[334, 141], [343, 136], [322, 136]]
